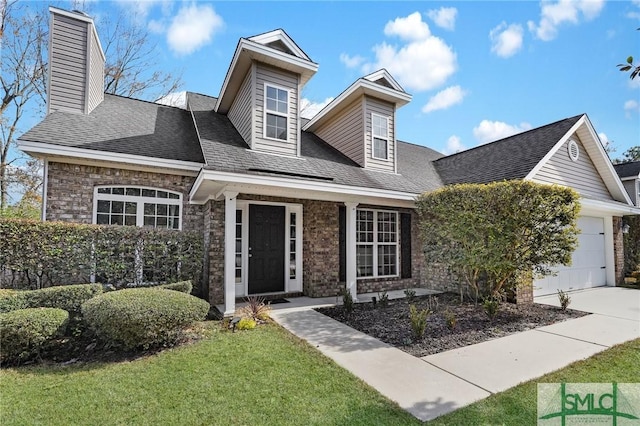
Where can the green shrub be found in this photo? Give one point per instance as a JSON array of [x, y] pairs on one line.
[[347, 301], [143, 317], [67, 297], [564, 300], [451, 319], [383, 299], [25, 332], [12, 300], [410, 294], [182, 286], [418, 321], [491, 307], [246, 324]]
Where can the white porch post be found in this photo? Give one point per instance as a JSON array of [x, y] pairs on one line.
[[351, 276], [229, 252]]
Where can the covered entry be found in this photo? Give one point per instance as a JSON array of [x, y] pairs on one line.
[[589, 266]]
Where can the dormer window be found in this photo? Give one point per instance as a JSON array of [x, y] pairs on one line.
[[276, 111], [380, 129]]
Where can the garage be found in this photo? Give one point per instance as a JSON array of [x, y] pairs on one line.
[[588, 262]]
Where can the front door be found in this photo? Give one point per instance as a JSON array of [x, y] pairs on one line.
[[266, 249]]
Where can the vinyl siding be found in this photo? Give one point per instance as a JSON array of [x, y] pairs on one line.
[[630, 186], [580, 175], [280, 79], [384, 109], [240, 111], [346, 132], [96, 74], [68, 64]]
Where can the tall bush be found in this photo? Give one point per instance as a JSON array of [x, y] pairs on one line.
[[41, 254], [490, 234]]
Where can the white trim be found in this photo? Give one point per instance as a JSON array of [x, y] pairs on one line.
[[374, 137], [572, 146], [351, 275], [614, 208], [629, 178], [280, 35], [287, 183], [61, 150], [383, 73], [45, 190], [361, 86], [609, 251], [229, 252], [376, 244], [265, 111]]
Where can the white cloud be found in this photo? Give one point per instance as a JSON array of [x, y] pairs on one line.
[[419, 64], [454, 144], [445, 17], [630, 107], [176, 99], [506, 40], [351, 61], [603, 138], [634, 14], [489, 131], [156, 26], [308, 109], [444, 99], [193, 27], [410, 28], [553, 15]]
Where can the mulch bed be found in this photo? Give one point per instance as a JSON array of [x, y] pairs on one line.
[[391, 323]]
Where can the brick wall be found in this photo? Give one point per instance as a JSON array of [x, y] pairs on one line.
[[70, 191], [618, 250]]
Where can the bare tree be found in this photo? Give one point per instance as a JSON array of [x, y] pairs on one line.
[[23, 39], [130, 57]]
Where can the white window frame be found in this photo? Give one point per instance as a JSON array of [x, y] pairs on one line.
[[267, 111], [139, 200], [374, 137], [375, 244], [292, 285]]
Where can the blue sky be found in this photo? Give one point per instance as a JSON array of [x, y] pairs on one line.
[[478, 71]]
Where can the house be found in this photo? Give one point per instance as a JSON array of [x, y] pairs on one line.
[[289, 206], [629, 174]]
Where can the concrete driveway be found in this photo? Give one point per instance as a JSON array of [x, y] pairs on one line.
[[617, 302]]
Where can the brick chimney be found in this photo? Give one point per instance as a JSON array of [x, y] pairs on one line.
[[76, 63]]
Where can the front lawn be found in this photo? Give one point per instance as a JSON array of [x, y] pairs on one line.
[[265, 376], [518, 405]]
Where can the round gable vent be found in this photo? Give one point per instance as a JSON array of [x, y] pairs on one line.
[[574, 150]]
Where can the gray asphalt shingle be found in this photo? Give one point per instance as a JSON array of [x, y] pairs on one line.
[[630, 169]]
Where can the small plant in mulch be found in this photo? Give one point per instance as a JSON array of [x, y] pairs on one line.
[[433, 303], [491, 307], [383, 299], [418, 320], [410, 294], [256, 309], [564, 299], [347, 301], [451, 319]]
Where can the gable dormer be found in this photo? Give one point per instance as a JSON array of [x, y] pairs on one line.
[[361, 122], [261, 92]]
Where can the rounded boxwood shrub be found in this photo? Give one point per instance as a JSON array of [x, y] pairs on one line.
[[25, 332], [11, 300], [142, 317], [67, 297], [183, 286]]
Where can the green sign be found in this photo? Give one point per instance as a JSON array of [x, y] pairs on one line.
[[588, 403]]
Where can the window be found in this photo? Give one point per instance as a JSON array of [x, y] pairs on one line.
[[376, 243], [135, 206], [292, 245], [380, 131], [238, 246], [276, 112]]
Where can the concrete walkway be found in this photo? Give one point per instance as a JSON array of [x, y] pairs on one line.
[[433, 385]]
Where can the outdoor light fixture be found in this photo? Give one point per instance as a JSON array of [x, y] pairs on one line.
[[233, 323], [624, 227]]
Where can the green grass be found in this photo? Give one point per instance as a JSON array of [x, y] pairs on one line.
[[518, 405], [260, 377]]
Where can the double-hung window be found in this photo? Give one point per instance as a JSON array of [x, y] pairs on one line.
[[380, 133], [376, 243], [276, 107], [137, 206]]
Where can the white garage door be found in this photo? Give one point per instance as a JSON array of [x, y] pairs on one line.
[[588, 265]]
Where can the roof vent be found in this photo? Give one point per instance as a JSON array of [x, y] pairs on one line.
[[573, 149]]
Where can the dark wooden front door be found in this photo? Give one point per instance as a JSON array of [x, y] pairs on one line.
[[266, 249]]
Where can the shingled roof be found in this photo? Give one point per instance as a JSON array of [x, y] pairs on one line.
[[630, 169], [506, 159], [225, 150], [125, 126]]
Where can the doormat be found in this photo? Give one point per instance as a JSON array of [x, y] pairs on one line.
[[276, 301]]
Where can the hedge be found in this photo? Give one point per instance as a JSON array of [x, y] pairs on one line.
[[143, 317], [25, 332], [69, 297], [182, 286], [36, 254]]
